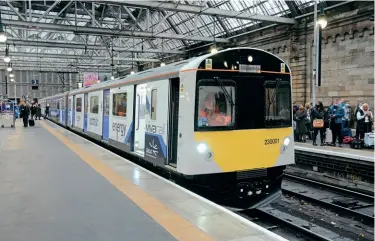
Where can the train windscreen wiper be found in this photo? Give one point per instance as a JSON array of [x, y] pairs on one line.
[[224, 90], [273, 97]]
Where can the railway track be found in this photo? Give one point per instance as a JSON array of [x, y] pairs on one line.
[[344, 202]]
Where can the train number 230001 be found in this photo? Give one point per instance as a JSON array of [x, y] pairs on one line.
[[271, 141]]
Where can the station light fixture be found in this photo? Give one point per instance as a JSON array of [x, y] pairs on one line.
[[112, 77], [3, 37], [132, 72], [322, 21], [10, 67], [7, 58], [162, 64], [213, 49], [11, 75], [12, 80]]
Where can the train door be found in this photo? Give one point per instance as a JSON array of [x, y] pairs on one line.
[[69, 110], [73, 110], [174, 98], [86, 108], [140, 121], [105, 115], [78, 110], [95, 115], [61, 110], [156, 135]]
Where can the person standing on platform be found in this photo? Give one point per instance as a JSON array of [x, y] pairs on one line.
[[24, 114], [336, 114], [364, 123], [38, 112], [300, 118], [46, 113], [318, 114]]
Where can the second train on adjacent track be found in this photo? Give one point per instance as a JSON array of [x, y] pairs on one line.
[[221, 121]]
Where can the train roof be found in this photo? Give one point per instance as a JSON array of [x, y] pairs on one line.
[[163, 72]]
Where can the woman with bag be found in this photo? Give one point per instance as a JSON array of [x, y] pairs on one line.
[[317, 118]]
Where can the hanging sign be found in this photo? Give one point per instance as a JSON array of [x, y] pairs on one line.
[[90, 78]]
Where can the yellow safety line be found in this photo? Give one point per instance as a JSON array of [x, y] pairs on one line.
[[176, 225]]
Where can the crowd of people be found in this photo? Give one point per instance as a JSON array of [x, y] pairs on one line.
[[309, 121], [32, 111]]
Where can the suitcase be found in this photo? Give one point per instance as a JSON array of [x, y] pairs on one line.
[[31, 122], [356, 144], [369, 139]]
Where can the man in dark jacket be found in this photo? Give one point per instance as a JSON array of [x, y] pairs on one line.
[[336, 114], [24, 114]]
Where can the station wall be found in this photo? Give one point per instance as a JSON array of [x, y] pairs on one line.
[[50, 83], [347, 55]]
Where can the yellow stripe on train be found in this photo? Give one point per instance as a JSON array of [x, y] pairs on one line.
[[244, 149]]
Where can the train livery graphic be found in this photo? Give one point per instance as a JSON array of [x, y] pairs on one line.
[[222, 121]]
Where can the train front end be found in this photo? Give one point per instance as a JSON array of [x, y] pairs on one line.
[[242, 136]]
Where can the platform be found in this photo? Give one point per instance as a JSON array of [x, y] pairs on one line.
[[345, 151], [55, 185]]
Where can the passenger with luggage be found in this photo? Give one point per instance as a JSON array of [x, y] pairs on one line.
[[364, 121], [24, 114], [317, 118], [33, 110]]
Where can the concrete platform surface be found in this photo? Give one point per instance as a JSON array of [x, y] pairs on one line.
[[55, 185]]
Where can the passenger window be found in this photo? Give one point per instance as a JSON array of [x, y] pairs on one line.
[[154, 93], [94, 104], [215, 109], [79, 105], [119, 104]]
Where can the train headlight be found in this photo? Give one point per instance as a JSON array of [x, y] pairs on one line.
[[286, 141], [202, 148]]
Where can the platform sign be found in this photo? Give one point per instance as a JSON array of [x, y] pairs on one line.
[[248, 68]]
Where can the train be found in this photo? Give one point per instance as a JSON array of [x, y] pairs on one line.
[[221, 121]]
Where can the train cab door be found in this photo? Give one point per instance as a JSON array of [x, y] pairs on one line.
[[174, 98], [156, 136], [86, 109], [139, 120], [105, 126]]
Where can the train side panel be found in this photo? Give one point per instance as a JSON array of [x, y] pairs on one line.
[[121, 118]]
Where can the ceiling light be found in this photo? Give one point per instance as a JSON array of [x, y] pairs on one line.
[[7, 59], [250, 58], [162, 64], [322, 22], [11, 75], [112, 77], [12, 80], [132, 72], [213, 50], [9, 69]]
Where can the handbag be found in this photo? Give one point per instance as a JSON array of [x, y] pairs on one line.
[[318, 123]]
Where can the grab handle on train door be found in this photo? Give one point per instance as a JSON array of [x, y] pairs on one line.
[[139, 104]]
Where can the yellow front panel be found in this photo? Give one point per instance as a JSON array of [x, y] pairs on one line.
[[244, 149]]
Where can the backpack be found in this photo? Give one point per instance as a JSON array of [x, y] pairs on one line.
[[356, 144]]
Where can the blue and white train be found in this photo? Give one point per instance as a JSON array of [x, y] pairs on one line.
[[223, 121]]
